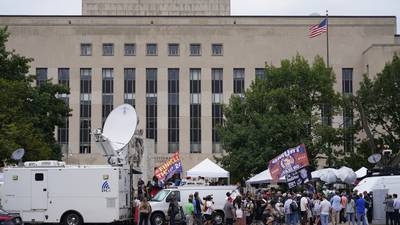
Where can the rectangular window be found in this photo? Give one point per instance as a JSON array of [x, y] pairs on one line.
[[129, 86], [151, 49], [63, 131], [195, 49], [107, 92], [86, 49], [173, 49], [151, 103], [238, 80], [41, 76], [217, 49], [85, 110], [195, 110], [173, 110], [260, 73], [326, 117], [347, 80], [217, 90], [130, 49], [108, 49]]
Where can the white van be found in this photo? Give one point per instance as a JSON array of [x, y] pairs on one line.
[[368, 184], [160, 202]]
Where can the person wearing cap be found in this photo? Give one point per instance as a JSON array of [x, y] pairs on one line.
[[208, 209], [229, 210]]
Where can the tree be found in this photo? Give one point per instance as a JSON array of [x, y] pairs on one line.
[[379, 100], [278, 113], [28, 114]]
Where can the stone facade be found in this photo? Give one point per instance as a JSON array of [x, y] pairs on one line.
[[248, 43], [156, 7]]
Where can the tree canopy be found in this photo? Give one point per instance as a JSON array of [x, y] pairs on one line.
[[28, 114], [280, 112]]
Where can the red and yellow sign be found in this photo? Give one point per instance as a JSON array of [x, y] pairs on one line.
[[169, 168]]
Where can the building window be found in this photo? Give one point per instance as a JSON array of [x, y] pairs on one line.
[[107, 92], [129, 86], [173, 49], [238, 81], [260, 73], [326, 117], [173, 110], [41, 76], [217, 100], [85, 110], [217, 49], [151, 49], [86, 49], [62, 131], [151, 103], [347, 80], [130, 49], [195, 49], [108, 49], [195, 110]]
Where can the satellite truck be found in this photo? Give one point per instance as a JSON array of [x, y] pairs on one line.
[[53, 192]]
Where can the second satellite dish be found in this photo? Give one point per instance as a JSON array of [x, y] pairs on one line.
[[18, 154], [120, 126], [374, 158]]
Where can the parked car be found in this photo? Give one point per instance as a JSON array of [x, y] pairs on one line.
[[7, 218]]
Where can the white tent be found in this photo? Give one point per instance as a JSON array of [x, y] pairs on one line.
[[263, 178], [207, 168]]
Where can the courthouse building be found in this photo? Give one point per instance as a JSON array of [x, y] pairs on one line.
[[178, 61]]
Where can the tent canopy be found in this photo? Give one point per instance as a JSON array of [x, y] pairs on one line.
[[263, 178], [207, 168], [362, 172]]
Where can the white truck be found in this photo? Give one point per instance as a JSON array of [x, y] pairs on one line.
[[52, 192], [160, 202], [70, 195]]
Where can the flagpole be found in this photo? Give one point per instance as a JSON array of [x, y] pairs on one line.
[[327, 39]]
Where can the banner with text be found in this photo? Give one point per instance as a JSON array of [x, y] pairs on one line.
[[291, 160], [298, 177], [169, 168]]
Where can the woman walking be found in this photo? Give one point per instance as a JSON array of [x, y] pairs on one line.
[[144, 212], [350, 210]]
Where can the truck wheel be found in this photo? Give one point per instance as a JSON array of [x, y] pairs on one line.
[[219, 218], [72, 218], [157, 219]]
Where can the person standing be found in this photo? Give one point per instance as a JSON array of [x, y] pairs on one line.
[[249, 210], [197, 209], [144, 212], [229, 210], [303, 209], [343, 203], [208, 209], [336, 208], [290, 207], [396, 206], [325, 210], [350, 205], [316, 210], [188, 209], [360, 210], [389, 210]]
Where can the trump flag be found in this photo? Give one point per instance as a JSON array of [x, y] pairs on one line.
[[169, 168]]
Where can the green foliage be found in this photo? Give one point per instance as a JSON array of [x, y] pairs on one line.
[[28, 114], [380, 100], [278, 113]]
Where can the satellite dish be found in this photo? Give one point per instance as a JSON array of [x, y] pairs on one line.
[[120, 126], [18, 154], [374, 158]]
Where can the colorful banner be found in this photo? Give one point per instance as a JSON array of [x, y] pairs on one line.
[[291, 160], [169, 168]]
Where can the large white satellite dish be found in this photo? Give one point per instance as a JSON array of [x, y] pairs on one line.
[[18, 154], [120, 126]]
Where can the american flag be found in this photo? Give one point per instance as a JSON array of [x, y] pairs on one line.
[[318, 29]]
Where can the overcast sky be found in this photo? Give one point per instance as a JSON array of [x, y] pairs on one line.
[[238, 7]]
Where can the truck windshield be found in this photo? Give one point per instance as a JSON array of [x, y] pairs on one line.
[[160, 196]]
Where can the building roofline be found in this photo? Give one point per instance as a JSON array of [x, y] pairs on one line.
[[193, 16], [380, 45]]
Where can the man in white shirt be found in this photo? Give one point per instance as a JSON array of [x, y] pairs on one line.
[[325, 209], [289, 214], [303, 209], [336, 208]]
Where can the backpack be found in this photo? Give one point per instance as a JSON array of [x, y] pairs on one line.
[[293, 206]]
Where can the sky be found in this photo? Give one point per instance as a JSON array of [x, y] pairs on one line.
[[238, 7]]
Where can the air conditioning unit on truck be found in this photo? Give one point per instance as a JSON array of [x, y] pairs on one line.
[[52, 192]]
